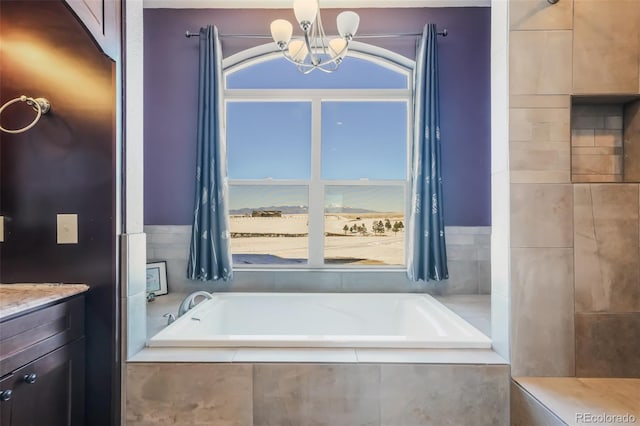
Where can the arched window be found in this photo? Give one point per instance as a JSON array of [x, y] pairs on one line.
[[318, 163]]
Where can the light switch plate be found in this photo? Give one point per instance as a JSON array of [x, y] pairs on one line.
[[1, 229], [67, 228]]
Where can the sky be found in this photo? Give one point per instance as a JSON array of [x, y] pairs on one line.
[[359, 140], [281, 74]]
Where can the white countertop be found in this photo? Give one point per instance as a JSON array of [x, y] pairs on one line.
[[15, 298]]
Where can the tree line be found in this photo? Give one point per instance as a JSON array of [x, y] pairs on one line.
[[377, 227]]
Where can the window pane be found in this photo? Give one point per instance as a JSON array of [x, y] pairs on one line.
[[354, 73], [364, 225], [269, 224], [364, 140], [269, 140]]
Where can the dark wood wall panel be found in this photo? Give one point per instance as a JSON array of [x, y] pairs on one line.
[[65, 164]]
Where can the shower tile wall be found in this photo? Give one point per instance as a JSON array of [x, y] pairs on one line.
[[596, 143], [606, 45], [632, 142], [468, 252], [607, 285], [575, 47]]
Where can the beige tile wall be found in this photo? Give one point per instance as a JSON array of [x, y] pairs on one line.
[[540, 15], [607, 247], [572, 47], [542, 328], [539, 133], [596, 143], [607, 286], [540, 62], [631, 132], [605, 46], [230, 394], [189, 394], [608, 344]]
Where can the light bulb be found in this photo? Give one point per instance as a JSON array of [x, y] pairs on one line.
[[281, 31], [298, 50], [348, 24], [338, 48], [305, 10]]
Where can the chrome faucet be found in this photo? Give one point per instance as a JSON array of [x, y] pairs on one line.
[[190, 301]]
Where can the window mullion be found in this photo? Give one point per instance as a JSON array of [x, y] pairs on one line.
[[316, 190]]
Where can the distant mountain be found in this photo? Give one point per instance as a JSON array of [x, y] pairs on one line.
[[283, 209], [297, 210], [347, 210]]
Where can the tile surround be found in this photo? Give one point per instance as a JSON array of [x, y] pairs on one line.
[[607, 345], [607, 247], [631, 143], [567, 397], [596, 143], [539, 150], [540, 15], [540, 62], [340, 395], [189, 394], [541, 215], [601, 55], [542, 318], [606, 43], [539, 101], [317, 394], [528, 411], [426, 395]]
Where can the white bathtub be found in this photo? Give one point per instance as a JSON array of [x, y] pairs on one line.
[[351, 320]]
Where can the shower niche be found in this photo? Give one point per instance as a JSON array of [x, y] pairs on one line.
[[605, 139]]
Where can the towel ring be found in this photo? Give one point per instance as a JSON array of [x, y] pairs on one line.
[[39, 105]]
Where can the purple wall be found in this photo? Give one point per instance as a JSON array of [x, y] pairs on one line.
[[171, 75]]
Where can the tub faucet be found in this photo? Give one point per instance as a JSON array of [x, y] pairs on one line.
[[190, 301]]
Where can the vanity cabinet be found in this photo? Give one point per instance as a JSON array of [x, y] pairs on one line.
[[42, 366], [102, 19]]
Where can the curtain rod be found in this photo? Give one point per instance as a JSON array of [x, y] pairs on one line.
[[443, 33]]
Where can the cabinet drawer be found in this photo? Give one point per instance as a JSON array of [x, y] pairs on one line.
[[30, 336], [48, 391]]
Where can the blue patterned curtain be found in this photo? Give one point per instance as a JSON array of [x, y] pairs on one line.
[[427, 258], [210, 254]]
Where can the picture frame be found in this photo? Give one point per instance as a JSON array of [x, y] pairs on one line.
[[157, 278]]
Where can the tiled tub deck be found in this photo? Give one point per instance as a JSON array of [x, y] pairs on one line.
[[332, 386], [336, 394]]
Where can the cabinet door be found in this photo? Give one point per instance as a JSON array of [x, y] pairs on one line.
[[102, 19], [50, 390], [6, 384]]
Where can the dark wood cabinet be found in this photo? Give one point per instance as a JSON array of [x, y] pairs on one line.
[[102, 19], [45, 389]]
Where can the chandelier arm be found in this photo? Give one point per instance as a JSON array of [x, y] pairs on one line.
[[289, 58], [321, 35], [307, 41], [320, 51]]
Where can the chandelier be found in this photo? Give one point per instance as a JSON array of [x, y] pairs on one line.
[[314, 50]]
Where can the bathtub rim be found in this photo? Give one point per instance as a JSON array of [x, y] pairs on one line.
[[486, 342]]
